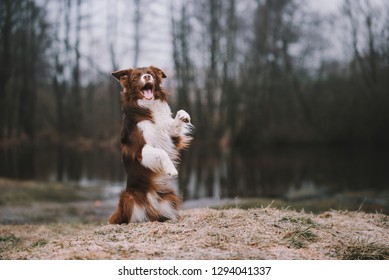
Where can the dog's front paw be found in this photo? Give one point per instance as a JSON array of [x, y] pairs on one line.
[[172, 173], [169, 169], [183, 116]]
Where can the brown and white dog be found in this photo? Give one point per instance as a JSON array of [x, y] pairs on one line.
[[150, 144]]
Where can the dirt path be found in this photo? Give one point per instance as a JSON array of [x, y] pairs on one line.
[[262, 233]]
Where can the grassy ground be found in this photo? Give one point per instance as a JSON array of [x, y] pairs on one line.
[[58, 221], [262, 233]]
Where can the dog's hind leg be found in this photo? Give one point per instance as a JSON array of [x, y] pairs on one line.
[[116, 217], [124, 210]]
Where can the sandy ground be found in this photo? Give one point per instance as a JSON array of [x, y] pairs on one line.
[[260, 233]]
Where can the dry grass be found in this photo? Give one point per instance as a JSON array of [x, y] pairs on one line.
[[261, 233], [300, 237], [361, 249]]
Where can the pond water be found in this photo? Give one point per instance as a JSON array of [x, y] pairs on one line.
[[308, 177]]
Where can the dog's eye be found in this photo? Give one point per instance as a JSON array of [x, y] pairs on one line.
[[135, 76]]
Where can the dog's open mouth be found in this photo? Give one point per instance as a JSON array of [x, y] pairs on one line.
[[147, 91]]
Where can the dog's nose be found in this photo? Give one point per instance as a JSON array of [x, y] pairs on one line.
[[147, 77]]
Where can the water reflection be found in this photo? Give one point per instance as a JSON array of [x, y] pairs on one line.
[[61, 164], [282, 173], [291, 174]]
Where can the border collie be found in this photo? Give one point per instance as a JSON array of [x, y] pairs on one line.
[[150, 143]]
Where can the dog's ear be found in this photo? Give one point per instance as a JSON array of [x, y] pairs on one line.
[[158, 71], [122, 76]]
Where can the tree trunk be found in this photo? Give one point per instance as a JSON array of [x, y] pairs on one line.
[[5, 60], [137, 22]]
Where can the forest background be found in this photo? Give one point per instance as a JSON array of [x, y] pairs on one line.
[[250, 72]]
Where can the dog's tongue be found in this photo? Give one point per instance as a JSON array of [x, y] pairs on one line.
[[148, 94]]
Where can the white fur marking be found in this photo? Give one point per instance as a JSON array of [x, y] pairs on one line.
[[158, 133], [157, 160], [158, 136], [163, 207], [138, 214], [168, 211], [143, 80]]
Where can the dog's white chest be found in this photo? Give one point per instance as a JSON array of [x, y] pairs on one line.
[[158, 133]]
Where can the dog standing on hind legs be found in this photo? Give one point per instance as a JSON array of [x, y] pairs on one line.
[[150, 143]]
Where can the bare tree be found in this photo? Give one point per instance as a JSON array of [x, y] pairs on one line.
[[137, 25], [76, 117], [6, 23], [229, 98], [24, 39], [112, 32], [181, 56]]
